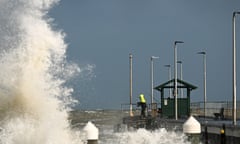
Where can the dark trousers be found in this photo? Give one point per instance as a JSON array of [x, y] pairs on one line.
[[143, 106]]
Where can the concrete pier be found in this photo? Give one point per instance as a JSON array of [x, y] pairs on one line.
[[211, 130]]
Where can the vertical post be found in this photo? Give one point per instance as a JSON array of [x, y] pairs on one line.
[[169, 77], [188, 101], [234, 113], [223, 135], [162, 103], [192, 128], [151, 81], [205, 83], [152, 69], [92, 133], [204, 80], [175, 78], [205, 134], [130, 94], [181, 76]]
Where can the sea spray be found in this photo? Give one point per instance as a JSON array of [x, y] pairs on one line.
[[143, 136], [33, 98]]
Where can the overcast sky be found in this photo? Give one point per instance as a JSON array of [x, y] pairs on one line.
[[101, 33]]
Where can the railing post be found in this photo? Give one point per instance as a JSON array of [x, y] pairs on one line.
[[223, 135], [206, 134]]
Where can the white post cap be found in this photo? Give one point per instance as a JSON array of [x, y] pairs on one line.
[[192, 126], [92, 131]]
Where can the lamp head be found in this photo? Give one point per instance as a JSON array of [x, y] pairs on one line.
[[202, 53], [236, 12], [176, 42], [154, 57], [130, 56], [167, 65]]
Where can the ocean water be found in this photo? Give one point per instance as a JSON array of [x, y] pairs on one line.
[[34, 100], [107, 120]]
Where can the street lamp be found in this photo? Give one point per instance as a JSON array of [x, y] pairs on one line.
[[169, 77], [175, 77], [181, 75], [234, 112], [204, 79], [130, 79], [152, 57]]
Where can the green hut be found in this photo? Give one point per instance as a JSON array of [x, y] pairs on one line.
[[168, 100]]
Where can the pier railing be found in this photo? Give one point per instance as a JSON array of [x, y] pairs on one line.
[[197, 108], [137, 110]]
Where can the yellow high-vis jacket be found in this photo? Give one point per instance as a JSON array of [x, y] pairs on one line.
[[142, 99]]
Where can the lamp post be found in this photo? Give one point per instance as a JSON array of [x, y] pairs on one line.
[[175, 77], [204, 80], [234, 112], [152, 57], [181, 75], [169, 77], [130, 78]]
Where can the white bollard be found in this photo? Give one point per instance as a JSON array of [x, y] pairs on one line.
[[92, 133], [193, 130]]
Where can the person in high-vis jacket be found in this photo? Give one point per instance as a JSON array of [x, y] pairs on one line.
[[143, 104]]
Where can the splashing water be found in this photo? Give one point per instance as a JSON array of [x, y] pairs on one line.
[[143, 136], [33, 99], [160, 136]]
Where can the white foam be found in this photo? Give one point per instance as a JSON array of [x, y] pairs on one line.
[[143, 136], [33, 98]]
